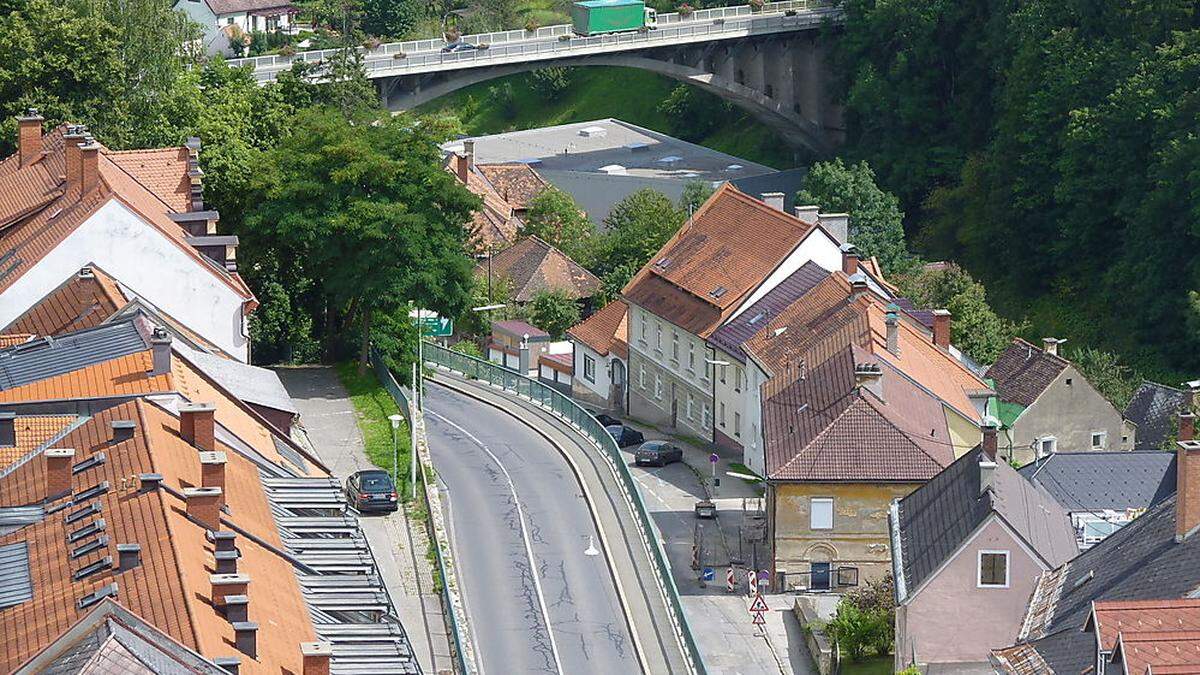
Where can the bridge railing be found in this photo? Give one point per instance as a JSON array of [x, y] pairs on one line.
[[566, 409], [416, 53]]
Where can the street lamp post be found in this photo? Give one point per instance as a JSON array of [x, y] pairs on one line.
[[395, 420]]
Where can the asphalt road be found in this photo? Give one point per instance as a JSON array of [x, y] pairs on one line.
[[520, 528]]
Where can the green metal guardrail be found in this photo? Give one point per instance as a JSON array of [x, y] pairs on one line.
[[402, 401], [570, 411]]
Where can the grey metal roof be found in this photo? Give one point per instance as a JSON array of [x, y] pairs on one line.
[[938, 517], [1153, 408], [13, 518], [1084, 481], [733, 334], [260, 386], [15, 584], [342, 588], [1141, 561], [51, 356]]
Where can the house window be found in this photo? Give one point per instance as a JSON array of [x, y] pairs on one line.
[[706, 416], [674, 346], [737, 380], [1099, 440], [689, 405], [1047, 446], [754, 435], [1068, 381], [658, 337], [737, 424], [642, 376], [723, 374], [993, 569], [721, 415], [229, 21], [589, 368], [820, 513], [643, 324], [692, 357], [658, 386]]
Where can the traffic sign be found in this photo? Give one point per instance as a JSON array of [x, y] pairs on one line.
[[764, 577], [714, 458], [431, 324], [730, 584], [752, 582], [759, 605], [759, 619], [708, 574]]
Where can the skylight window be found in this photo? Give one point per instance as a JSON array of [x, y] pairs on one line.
[[718, 291], [93, 545], [757, 317], [92, 598], [88, 570], [86, 531]]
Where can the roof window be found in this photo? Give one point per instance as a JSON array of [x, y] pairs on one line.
[[94, 491], [718, 291], [93, 545], [83, 512], [100, 594], [86, 531], [88, 570], [95, 460]]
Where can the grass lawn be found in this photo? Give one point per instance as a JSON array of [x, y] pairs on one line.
[[627, 94], [876, 665], [372, 405]]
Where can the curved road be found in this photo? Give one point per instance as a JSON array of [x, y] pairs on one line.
[[516, 509]]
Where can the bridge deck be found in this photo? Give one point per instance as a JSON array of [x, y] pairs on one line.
[[559, 42]]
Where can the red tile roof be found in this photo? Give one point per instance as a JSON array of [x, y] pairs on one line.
[[494, 226], [131, 179], [606, 330], [13, 339], [79, 302], [719, 256], [516, 184], [1159, 652], [163, 171], [1113, 617], [1024, 371], [32, 432], [532, 266], [171, 586]]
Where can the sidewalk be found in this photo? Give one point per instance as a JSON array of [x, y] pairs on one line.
[[398, 543], [721, 621]]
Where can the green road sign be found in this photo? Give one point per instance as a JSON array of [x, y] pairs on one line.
[[436, 326]]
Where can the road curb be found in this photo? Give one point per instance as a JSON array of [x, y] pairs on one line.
[[588, 499]]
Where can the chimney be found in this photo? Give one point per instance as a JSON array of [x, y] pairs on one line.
[[212, 469], [160, 345], [230, 664], [990, 430], [8, 429], [316, 657], [204, 506], [29, 136], [849, 259], [987, 474], [469, 153], [773, 200], [122, 430], [226, 561], [941, 328], [195, 173], [245, 638], [808, 214], [225, 585], [838, 226], [197, 426], [72, 155], [858, 285], [1187, 489], [58, 471], [236, 608], [89, 166], [893, 329], [224, 540], [1050, 345], [870, 377], [463, 166], [129, 556], [150, 481]]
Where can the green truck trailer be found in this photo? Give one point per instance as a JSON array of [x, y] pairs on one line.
[[597, 17]]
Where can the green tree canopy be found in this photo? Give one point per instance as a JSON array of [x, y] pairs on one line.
[[553, 312], [876, 223], [636, 227], [365, 210], [976, 328], [554, 217]]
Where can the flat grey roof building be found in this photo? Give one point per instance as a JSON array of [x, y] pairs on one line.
[[601, 162]]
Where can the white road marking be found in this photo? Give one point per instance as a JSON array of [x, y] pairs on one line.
[[533, 566]]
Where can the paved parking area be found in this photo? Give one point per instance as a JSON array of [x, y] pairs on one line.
[[328, 417], [720, 620]]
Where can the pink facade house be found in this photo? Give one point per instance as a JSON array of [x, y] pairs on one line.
[[968, 548]]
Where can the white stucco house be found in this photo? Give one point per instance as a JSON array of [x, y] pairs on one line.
[[69, 206], [222, 20], [601, 358]]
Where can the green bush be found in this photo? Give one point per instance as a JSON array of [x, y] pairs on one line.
[[467, 347], [864, 620]]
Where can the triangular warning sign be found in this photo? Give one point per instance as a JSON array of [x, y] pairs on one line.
[[759, 605], [759, 619]]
